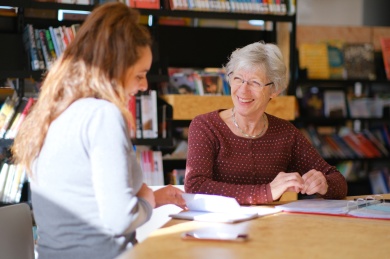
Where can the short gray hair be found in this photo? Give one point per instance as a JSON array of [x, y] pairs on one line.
[[260, 56]]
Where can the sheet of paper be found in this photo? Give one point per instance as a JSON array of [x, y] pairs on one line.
[[316, 206], [210, 203]]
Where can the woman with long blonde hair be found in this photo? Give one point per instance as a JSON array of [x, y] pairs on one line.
[[88, 197]]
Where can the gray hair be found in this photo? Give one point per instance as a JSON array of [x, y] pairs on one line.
[[260, 56]]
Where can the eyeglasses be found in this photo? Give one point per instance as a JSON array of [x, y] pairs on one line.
[[236, 81]]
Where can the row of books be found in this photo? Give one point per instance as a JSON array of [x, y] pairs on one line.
[[151, 165], [82, 2], [335, 59], [347, 144], [176, 177], [12, 113], [143, 108], [379, 180], [208, 81], [379, 177], [12, 179], [276, 7], [339, 104], [44, 46]]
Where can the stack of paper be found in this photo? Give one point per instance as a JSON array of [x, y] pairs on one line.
[[215, 208]]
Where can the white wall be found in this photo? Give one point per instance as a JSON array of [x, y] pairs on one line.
[[330, 12]]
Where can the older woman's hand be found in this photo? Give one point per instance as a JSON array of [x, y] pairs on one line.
[[315, 182], [169, 195], [286, 182]]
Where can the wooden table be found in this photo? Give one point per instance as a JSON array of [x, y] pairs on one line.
[[276, 236]]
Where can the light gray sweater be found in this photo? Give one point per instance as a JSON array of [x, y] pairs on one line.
[[84, 185]]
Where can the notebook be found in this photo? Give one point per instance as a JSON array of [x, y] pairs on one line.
[[369, 207], [216, 208]]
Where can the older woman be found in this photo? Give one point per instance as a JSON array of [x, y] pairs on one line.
[[250, 155]]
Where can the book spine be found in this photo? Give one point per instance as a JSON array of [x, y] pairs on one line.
[[9, 113], [133, 113], [54, 40], [8, 183], [138, 117], [22, 181], [3, 178], [58, 38], [11, 134], [153, 95], [45, 48], [39, 49], [50, 45], [30, 46]]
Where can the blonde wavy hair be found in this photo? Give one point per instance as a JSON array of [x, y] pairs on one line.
[[93, 65]]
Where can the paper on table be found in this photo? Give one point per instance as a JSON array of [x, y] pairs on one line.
[[317, 206], [365, 208], [215, 208]]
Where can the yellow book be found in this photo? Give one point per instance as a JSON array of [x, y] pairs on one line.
[[314, 57]]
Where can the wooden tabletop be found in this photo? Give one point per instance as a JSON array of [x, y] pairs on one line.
[[281, 235]]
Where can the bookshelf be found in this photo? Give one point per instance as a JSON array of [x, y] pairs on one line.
[[364, 87], [175, 46]]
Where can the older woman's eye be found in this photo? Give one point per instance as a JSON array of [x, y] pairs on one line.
[[256, 84]]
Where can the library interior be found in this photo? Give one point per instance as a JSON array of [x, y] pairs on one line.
[[337, 56]]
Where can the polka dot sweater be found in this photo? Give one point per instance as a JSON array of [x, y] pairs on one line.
[[222, 163]]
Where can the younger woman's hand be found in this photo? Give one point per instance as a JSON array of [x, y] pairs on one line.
[[146, 193], [169, 195]]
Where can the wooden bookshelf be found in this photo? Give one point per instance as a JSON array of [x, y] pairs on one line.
[[186, 107]]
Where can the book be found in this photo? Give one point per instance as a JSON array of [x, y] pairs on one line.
[[8, 183], [3, 177], [30, 46], [27, 104], [138, 117], [7, 113], [377, 143], [312, 102], [54, 40], [132, 109], [385, 46], [211, 83], [158, 173], [354, 144], [368, 145], [45, 49], [177, 176], [149, 115], [369, 207], [359, 61], [314, 57], [216, 208], [154, 110], [181, 81], [39, 49], [379, 181], [144, 4], [336, 60], [50, 45], [334, 104], [75, 27]]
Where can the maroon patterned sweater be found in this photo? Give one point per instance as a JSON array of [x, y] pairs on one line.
[[221, 163]]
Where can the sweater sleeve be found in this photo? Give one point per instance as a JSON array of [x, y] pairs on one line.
[[116, 174], [303, 149]]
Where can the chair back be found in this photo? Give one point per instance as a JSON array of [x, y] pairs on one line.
[[16, 234]]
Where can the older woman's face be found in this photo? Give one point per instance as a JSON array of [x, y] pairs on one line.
[[250, 91]]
